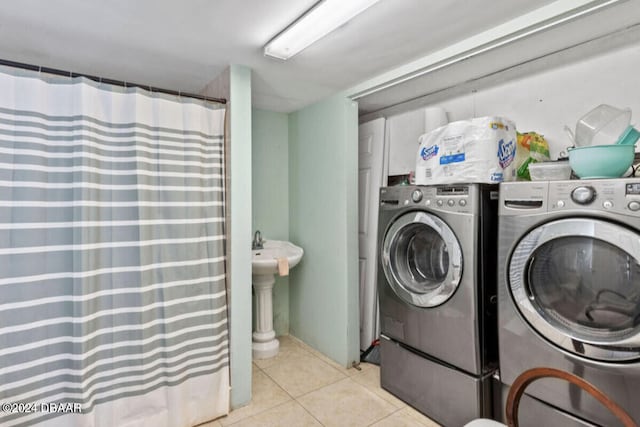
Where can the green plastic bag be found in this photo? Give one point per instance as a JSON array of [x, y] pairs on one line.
[[532, 148]]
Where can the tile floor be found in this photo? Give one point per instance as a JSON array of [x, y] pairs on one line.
[[302, 387]]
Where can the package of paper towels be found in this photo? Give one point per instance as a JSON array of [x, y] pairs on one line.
[[478, 150]]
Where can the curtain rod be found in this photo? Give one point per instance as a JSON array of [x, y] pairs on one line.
[[108, 81]]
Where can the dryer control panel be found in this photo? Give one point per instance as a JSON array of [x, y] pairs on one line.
[[606, 195], [620, 196], [632, 192]]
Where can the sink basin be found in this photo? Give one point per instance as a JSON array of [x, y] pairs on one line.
[[264, 267], [265, 261]]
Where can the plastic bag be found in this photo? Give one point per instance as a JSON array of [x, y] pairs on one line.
[[532, 148]]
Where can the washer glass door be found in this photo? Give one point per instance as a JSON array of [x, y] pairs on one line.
[[422, 259], [577, 283]]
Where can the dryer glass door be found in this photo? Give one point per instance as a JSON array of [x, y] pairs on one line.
[[422, 259], [577, 282]]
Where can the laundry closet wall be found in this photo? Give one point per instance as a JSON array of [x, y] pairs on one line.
[[323, 220], [545, 94]]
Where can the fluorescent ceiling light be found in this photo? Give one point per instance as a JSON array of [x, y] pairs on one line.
[[324, 17]]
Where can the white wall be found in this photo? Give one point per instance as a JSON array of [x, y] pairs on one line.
[[402, 132], [545, 99]]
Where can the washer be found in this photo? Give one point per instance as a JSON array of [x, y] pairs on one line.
[[437, 296], [569, 292]]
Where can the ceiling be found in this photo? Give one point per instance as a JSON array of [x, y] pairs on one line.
[[182, 45]]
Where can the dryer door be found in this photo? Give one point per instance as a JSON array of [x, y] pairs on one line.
[[577, 283], [422, 259]]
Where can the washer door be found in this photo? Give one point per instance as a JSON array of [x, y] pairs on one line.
[[422, 259], [577, 283]]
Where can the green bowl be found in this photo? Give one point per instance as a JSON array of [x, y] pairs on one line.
[[601, 161]]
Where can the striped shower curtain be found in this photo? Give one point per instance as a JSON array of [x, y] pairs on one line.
[[112, 263]]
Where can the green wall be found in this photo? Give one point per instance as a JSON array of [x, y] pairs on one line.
[[323, 202], [270, 195], [239, 203], [294, 177]]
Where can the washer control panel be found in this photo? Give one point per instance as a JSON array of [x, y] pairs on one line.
[[460, 198]]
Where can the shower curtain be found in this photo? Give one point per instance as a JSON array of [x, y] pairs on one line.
[[112, 264]]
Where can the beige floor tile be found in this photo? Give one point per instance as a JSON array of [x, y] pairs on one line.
[[403, 419], [420, 417], [302, 373], [346, 403], [347, 371], [290, 414], [265, 394], [288, 348], [370, 378], [210, 424], [364, 366]]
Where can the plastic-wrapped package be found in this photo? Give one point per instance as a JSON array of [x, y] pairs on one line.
[[479, 150], [532, 148]]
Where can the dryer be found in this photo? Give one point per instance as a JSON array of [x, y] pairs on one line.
[[569, 293], [437, 296]]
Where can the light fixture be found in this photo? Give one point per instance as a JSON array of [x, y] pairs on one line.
[[324, 17], [537, 21]]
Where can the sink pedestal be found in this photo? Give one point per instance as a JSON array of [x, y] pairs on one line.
[[265, 263], [265, 344]]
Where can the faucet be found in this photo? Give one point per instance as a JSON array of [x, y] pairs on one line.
[[257, 241]]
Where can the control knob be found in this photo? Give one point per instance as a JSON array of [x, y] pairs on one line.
[[583, 195], [416, 196]]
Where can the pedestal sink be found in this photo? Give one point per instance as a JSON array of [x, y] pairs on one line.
[[264, 263]]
